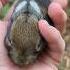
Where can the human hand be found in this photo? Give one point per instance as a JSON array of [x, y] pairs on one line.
[[51, 34]]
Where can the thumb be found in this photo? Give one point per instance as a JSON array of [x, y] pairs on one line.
[[55, 42]]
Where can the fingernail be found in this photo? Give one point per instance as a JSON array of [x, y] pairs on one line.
[[43, 22]]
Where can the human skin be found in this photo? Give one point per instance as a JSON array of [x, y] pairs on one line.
[[51, 34]]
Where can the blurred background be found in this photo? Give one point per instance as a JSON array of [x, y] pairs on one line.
[[65, 62]]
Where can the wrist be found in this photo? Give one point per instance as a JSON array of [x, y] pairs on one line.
[[3, 2]]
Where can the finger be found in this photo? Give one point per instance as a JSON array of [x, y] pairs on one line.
[[9, 14], [50, 33], [63, 3], [54, 39], [58, 16]]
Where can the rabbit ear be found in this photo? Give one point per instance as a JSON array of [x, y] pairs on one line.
[[20, 8], [9, 14], [43, 3]]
